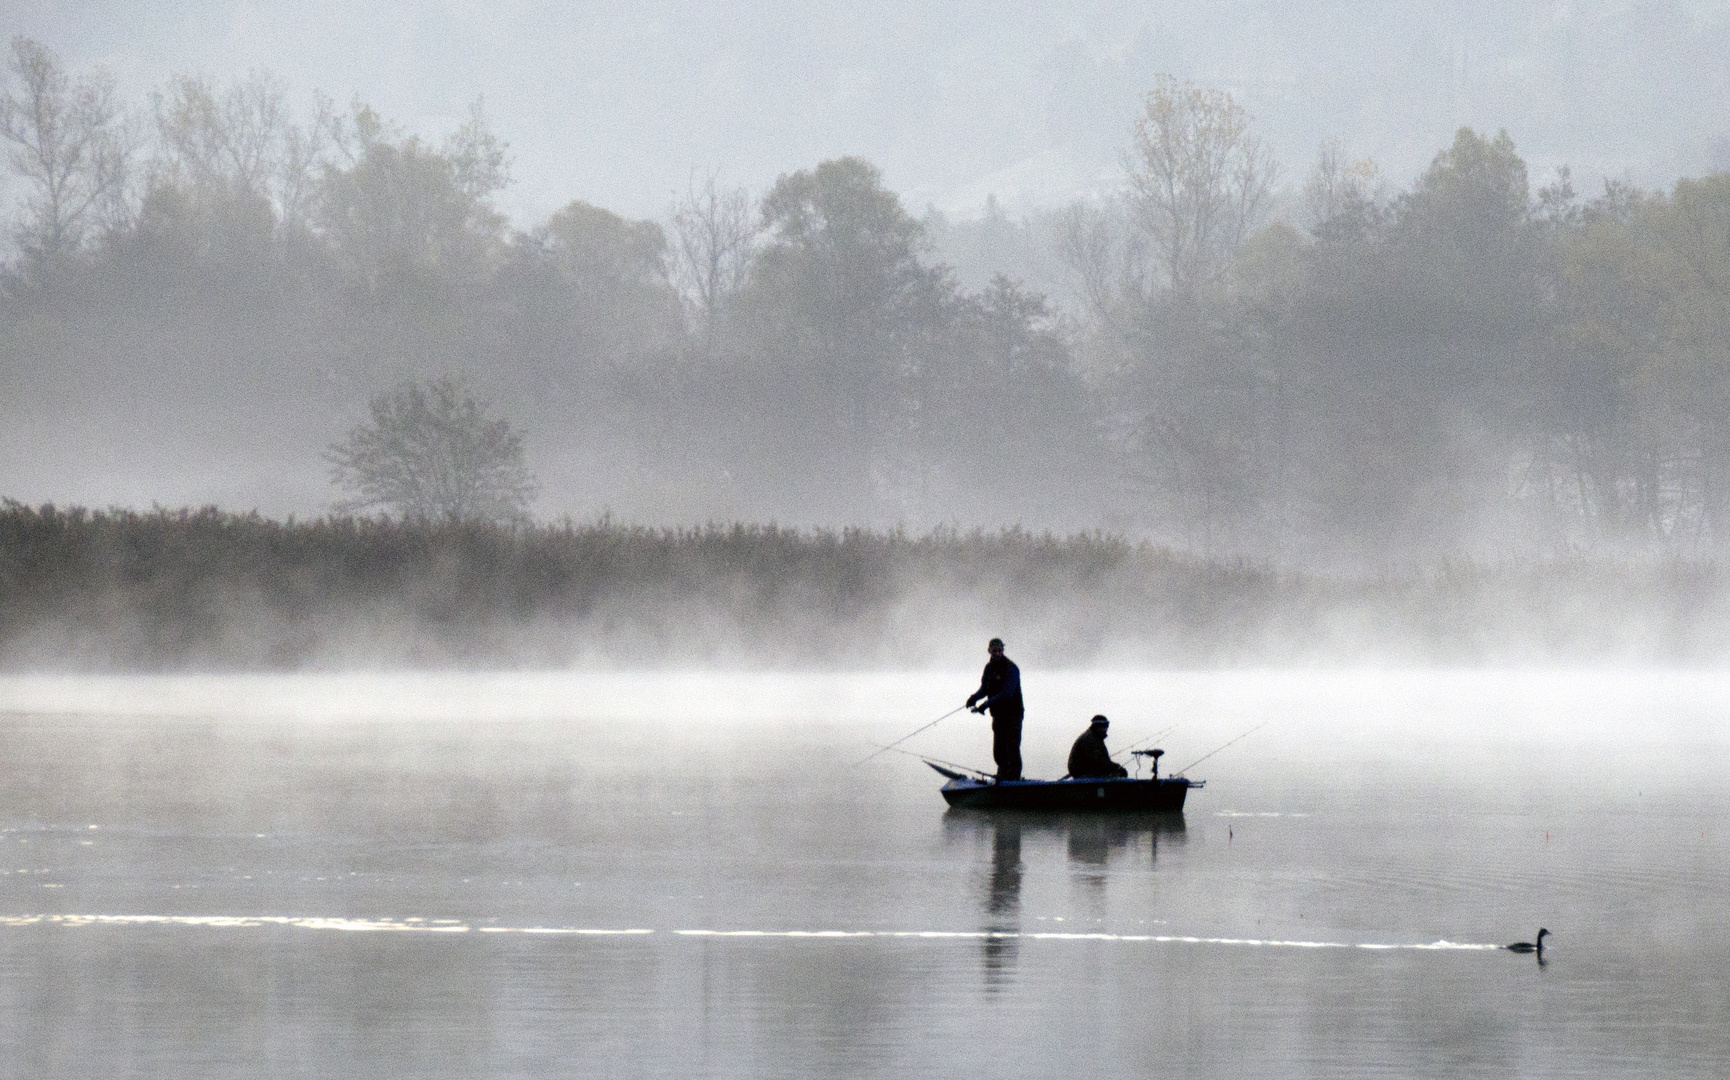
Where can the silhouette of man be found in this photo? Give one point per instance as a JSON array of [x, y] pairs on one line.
[[1000, 691], [1089, 759]]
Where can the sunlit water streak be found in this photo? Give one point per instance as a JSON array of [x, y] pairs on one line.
[[446, 926]]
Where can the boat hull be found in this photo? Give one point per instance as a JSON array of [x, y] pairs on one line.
[[1114, 795]]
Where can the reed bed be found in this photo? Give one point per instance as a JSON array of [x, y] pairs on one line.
[[204, 589]]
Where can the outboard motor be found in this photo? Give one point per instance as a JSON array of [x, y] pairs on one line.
[[1152, 757]]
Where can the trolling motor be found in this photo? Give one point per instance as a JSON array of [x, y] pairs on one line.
[[1152, 757]]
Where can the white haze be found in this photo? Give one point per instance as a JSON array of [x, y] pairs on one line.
[[617, 104], [1506, 734]]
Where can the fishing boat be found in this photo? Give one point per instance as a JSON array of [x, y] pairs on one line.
[[980, 792]]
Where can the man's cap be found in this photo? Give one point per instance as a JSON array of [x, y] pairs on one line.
[[1101, 721], [994, 643]]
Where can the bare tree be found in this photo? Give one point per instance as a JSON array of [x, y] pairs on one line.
[[399, 209], [71, 144], [1337, 191], [243, 142], [1198, 179], [480, 160], [432, 453], [1105, 252], [715, 231], [1086, 244]]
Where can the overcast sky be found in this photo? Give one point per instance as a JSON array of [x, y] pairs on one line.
[[617, 104]]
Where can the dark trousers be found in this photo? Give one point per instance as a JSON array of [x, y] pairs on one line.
[[1006, 746]]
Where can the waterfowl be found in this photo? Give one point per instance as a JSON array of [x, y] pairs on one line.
[[1529, 946]]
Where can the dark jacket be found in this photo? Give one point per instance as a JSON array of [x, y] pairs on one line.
[[1000, 686], [1089, 759]]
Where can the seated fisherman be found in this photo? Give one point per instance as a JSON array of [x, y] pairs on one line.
[[1088, 758]]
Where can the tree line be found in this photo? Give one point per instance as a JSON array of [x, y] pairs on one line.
[[1354, 369], [1467, 361]]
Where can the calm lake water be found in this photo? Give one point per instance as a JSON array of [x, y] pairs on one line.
[[529, 875]]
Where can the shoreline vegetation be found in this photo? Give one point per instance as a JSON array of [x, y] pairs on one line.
[[203, 289], [208, 590]]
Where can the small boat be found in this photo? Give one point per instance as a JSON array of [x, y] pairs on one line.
[[1163, 795]]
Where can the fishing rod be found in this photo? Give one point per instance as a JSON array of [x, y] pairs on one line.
[[938, 761], [1166, 731], [1130, 749], [1211, 753], [909, 735]]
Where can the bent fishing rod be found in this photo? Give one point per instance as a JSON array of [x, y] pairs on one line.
[[981, 773], [909, 735], [1211, 753]]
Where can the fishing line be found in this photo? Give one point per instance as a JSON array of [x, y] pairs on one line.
[[1130, 749], [1183, 707], [909, 735], [936, 760], [1211, 753]]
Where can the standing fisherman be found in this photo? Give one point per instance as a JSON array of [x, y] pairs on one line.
[[1000, 691]]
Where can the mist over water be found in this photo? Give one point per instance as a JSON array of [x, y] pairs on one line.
[[608, 429], [412, 874]]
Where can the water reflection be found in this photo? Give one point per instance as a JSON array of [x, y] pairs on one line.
[[1092, 843], [999, 948]]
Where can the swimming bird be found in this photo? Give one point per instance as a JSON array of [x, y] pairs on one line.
[[1528, 946]]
